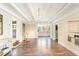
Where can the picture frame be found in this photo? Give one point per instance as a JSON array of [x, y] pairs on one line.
[[1, 24]]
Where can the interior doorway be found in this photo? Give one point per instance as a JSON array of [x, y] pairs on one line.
[[43, 30], [23, 28], [56, 32]]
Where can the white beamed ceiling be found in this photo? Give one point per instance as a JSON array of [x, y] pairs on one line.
[[48, 12]]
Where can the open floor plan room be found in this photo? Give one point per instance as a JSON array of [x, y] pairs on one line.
[[39, 29]]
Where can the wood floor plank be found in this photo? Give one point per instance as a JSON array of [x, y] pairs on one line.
[[33, 49]]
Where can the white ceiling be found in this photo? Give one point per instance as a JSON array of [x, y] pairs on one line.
[[40, 12]]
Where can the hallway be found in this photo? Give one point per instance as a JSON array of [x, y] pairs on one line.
[[33, 29], [42, 47]]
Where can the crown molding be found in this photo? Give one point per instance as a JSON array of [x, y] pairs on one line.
[[20, 11], [68, 15], [60, 11], [3, 7]]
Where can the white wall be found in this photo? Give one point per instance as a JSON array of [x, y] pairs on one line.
[[31, 30], [7, 29], [63, 31], [7, 22], [53, 31]]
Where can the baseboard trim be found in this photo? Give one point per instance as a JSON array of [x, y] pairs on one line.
[[68, 48]]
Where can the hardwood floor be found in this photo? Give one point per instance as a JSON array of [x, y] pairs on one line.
[[40, 47]]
